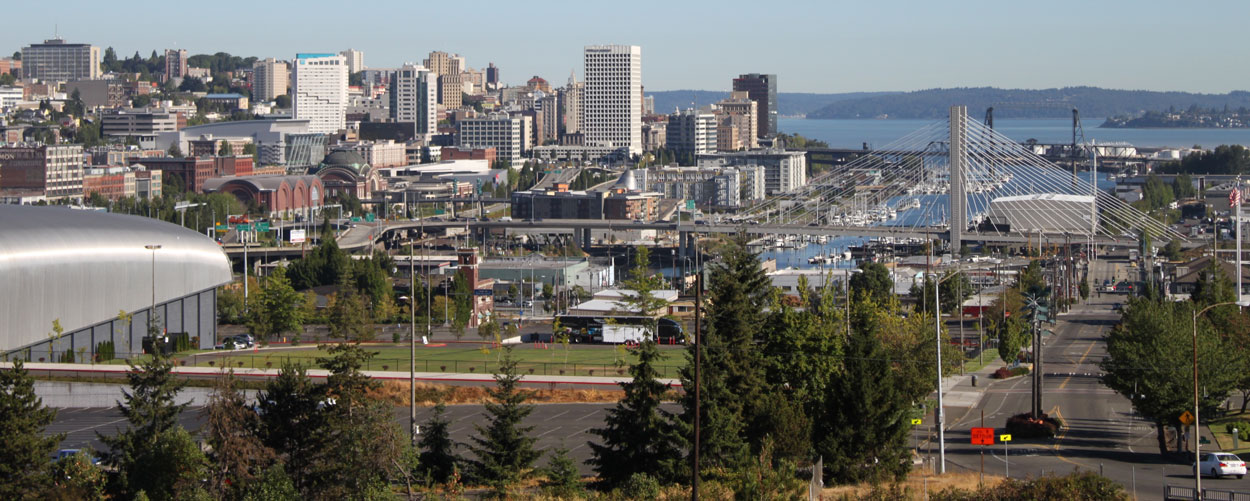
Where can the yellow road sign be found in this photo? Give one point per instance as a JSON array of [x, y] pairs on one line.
[[916, 421], [1004, 438], [1187, 418]]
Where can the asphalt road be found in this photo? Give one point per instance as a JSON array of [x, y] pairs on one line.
[[555, 425], [1103, 433]]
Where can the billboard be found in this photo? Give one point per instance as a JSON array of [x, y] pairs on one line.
[[298, 236]]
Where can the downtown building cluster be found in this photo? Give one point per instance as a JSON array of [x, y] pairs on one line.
[[75, 125]]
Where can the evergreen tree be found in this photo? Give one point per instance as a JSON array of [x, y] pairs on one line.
[[238, 455], [24, 450], [154, 454], [462, 297], [866, 420], [563, 481], [348, 318], [363, 444], [291, 420], [273, 485], [733, 369], [504, 448], [636, 437], [438, 460]]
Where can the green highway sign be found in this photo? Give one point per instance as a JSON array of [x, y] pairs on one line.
[[221, 228], [262, 226], [369, 217], [355, 219], [243, 227], [689, 204]]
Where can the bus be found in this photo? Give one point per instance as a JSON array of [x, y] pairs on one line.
[[619, 328]]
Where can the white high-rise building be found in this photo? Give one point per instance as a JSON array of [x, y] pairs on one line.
[[355, 60], [414, 97], [612, 100], [270, 79], [319, 91], [496, 130]]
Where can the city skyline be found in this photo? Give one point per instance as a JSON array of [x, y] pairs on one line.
[[899, 46]]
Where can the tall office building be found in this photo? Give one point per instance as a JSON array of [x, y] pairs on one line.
[[175, 63], [692, 132], [571, 105], [270, 79], [497, 130], [451, 91], [762, 89], [492, 77], [319, 92], [440, 63], [57, 61], [414, 98], [612, 101], [355, 60]]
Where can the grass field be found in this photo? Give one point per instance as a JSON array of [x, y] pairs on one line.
[[554, 360]]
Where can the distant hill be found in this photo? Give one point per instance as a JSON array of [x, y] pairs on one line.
[[788, 103], [1024, 103]]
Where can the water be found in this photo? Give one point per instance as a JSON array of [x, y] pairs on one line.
[[878, 133]]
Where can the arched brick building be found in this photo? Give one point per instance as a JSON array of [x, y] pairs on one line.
[[347, 172], [281, 195]]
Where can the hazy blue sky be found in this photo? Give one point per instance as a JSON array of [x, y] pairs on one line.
[[813, 46]]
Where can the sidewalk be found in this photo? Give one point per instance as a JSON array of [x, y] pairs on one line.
[[957, 391]]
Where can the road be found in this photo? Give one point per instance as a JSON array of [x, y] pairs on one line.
[[1102, 434], [555, 425]]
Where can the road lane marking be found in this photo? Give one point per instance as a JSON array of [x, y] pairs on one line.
[[94, 426], [1079, 362]]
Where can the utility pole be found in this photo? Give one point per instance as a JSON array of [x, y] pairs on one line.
[[412, 336], [698, 364]]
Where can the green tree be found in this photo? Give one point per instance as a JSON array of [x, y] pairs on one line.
[[238, 456], [77, 478], [562, 481], [363, 444], [732, 371], [766, 477], [955, 290], [175, 151], [462, 299], [24, 450], [438, 460], [226, 149], [348, 317], [1149, 357], [503, 447], [874, 281], [282, 102], [276, 309], [637, 437], [154, 454], [866, 420], [273, 485], [290, 423]]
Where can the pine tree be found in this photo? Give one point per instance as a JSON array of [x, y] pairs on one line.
[[276, 307], [438, 459], [238, 456], [291, 422], [154, 454], [637, 437], [24, 450], [563, 480], [863, 432], [504, 449], [362, 442]]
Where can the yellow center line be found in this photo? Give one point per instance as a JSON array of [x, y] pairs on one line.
[[1078, 362], [1058, 439]]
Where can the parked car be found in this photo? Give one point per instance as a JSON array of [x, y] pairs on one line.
[[527, 304], [65, 453], [1219, 464]]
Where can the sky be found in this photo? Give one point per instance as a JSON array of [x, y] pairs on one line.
[[813, 46]]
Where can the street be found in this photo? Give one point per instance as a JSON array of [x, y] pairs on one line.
[[1102, 432]]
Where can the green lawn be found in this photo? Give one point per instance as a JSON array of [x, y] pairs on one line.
[[577, 360], [988, 358], [1224, 439]]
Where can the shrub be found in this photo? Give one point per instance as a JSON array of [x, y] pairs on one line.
[[67, 357], [1243, 429], [105, 351], [1004, 373], [1025, 426], [1076, 485], [640, 486]]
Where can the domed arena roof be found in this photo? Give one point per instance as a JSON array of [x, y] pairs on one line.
[[343, 159]]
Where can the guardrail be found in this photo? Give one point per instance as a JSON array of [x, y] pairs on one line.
[[1187, 493]]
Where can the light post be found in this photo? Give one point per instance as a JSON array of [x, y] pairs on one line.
[[152, 312], [1197, 439], [937, 324]]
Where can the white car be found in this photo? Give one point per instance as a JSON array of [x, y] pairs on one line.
[[1219, 464]]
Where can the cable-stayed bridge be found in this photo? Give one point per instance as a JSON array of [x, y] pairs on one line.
[[964, 181]]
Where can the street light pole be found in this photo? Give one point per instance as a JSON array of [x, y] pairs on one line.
[[152, 312], [412, 338], [1197, 436]]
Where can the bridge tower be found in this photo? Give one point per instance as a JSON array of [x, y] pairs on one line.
[[958, 162]]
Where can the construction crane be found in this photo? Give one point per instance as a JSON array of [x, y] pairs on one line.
[[1074, 152]]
